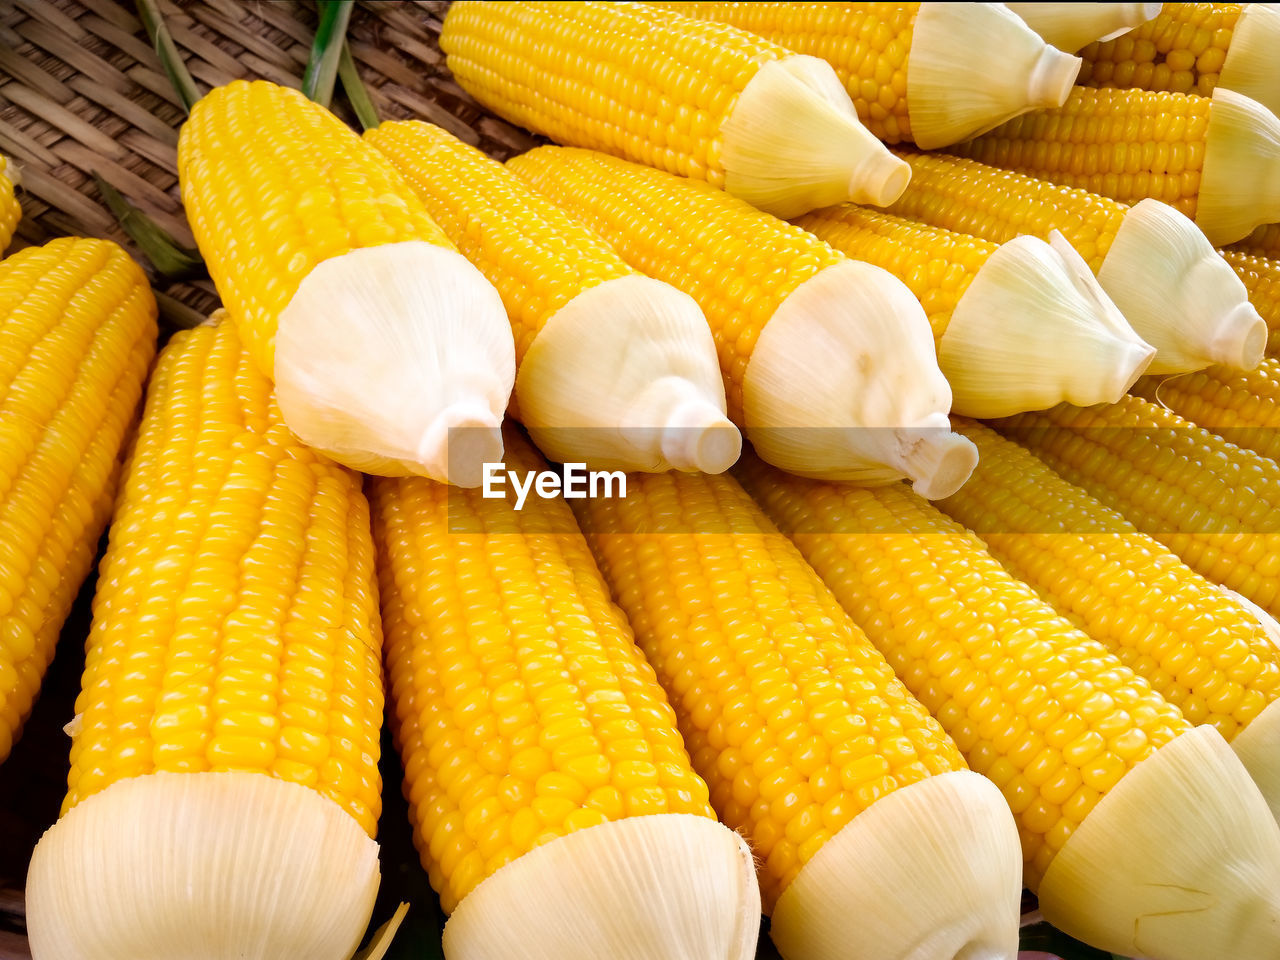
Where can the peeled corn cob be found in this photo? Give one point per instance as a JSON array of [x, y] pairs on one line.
[[552, 799], [1209, 655], [10, 211], [925, 73], [613, 369], [697, 99], [1141, 834], [232, 692], [77, 331], [872, 836], [1034, 300], [814, 348], [1070, 26], [1216, 160], [380, 337], [1214, 504], [1193, 48], [1155, 264]]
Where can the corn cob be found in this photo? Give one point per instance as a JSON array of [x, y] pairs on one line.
[[1132, 821], [926, 73], [697, 99], [1036, 301], [1193, 48], [1173, 288], [1242, 408], [10, 211], [77, 330], [1214, 504], [379, 336], [812, 748], [1217, 159], [1071, 26], [232, 693], [784, 308], [1212, 657], [536, 738], [613, 369]]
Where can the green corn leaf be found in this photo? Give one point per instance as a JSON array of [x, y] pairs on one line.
[[326, 50], [355, 90], [174, 66], [172, 260]]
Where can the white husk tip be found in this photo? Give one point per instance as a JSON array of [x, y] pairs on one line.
[[1240, 176], [1179, 294], [380, 349], [1180, 860], [1252, 67], [933, 870], [644, 888], [1034, 329], [459, 442], [1258, 747], [793, 143], [1070, 26], [223, 866], [625, 377], [843, 383], [975, 65]]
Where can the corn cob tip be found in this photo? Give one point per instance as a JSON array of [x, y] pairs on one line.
[[641, 888], [1072, 26], [1258, 747], [625, 377], [793, 143], [1251, 67], [109, 880], [880, 392], [1179, 294], [975, 65], [1033, 329], [384, 349], [1240, 178], [934, 869], [1119, 884]]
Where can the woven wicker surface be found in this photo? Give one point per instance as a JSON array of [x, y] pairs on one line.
[[81, 90]]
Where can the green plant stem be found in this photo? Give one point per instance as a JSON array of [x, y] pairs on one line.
[[326, 50], [174, 66], [172, 260], [354, 87]]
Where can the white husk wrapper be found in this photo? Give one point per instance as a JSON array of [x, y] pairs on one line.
[[1034, 329], [1181, 861], [933, 870], [1252, 67], [11, 171], [201, 866], [843, 384], [793, 143], [1179, 294], [1258, 747], [625, 377], [644, 888], [972, 66], [1240, 179], [1071, 26], [384, 349]]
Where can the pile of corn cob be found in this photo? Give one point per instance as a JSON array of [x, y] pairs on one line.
[[773, 680]]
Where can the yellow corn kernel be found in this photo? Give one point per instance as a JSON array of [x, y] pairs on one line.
[[77, 333], [1007, 677], [234, 625]]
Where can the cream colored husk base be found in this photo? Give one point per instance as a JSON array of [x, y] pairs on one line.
[[1034, 329], [1252, 67], [201, 866], [794, 143], [659, 887], [844, 384], [1240, 178], [1071, 26], [972, 66], [1179, 295], [625, 377], [931, 872], [1181, 861], [384, 350]]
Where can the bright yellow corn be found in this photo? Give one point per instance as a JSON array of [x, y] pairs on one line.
[[522, 708], [1049, 715], [1214, 504], [235, 624], [10, 211], [1198, 648], [1181, 50], [1240, 406], [77, 332]]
